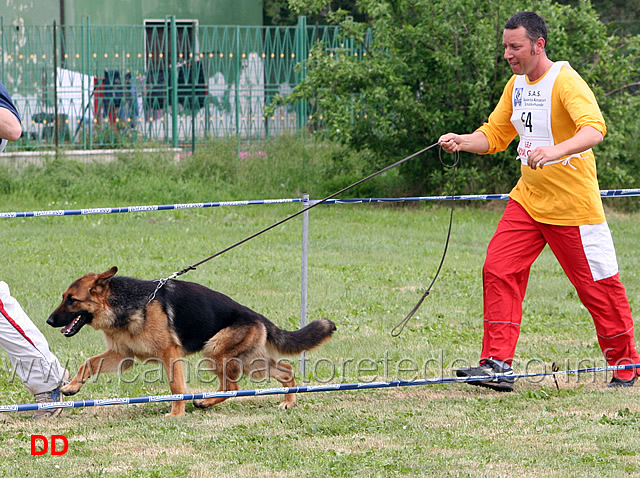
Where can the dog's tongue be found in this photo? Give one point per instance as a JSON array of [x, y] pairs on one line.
[[67, 328]]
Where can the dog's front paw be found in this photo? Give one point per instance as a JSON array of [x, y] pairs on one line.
[[171, 414], [70, 389], [177, 410], [287, 405]]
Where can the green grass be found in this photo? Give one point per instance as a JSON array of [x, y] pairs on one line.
[[368, 266]]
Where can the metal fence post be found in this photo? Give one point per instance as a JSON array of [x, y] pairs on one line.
[[301, 52], [4, 49], [56, 116], [304, 274], [237, 53], [83, 70], [174, 82]]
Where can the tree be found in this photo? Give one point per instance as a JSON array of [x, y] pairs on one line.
[[621, 17], [433, 66], [278, 12]]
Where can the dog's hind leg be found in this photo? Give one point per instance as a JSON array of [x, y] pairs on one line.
[[107, 362], [225, 350], [172, 361], [228, 372], [283, 373]]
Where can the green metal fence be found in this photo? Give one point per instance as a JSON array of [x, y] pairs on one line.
[[173, 82]]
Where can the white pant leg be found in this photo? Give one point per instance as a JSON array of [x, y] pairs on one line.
[[28, 349]]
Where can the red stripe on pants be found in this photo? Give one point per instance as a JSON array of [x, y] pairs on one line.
[[14, 324], [516, 244]]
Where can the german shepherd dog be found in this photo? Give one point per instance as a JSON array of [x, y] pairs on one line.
[[182, 318]]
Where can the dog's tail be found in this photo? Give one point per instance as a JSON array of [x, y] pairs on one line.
[[310, 336]]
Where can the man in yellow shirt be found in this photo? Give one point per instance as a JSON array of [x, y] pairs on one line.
[[556, 201]]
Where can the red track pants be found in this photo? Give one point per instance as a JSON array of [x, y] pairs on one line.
[[586, 254]]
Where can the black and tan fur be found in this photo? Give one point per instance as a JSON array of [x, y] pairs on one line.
[[182, 319]]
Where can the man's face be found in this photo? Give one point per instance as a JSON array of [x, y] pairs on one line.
[[519, 52]]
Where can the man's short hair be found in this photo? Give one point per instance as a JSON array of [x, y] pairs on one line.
[[532, 23]]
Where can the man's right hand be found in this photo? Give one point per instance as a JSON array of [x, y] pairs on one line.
[[475, 142], [450, 142]]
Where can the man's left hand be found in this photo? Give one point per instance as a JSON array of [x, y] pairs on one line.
[[542, 155]]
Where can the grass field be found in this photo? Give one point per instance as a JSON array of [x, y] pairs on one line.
[[368, 266]]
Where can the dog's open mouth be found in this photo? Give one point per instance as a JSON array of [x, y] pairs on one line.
[[74, 326]]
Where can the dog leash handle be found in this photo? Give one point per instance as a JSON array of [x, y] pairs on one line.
[[397, 330]]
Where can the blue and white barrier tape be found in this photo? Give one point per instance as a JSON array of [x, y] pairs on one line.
[[607, 193], [169, 207], [304, 389], [164, 207]]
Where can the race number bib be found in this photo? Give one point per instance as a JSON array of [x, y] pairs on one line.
[[531, 115]]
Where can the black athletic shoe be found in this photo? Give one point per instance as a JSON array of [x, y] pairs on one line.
[[619, 383], [488, 368]]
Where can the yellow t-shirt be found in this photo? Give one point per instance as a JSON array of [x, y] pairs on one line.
[[560, 194]]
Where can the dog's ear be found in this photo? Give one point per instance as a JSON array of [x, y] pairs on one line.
[[103, 279], [110, 273]]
